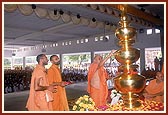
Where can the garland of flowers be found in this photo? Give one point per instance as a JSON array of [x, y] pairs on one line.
[[84, 103]]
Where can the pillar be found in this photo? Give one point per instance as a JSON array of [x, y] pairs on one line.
[[142, 59], [162, 41], [61, 62], [161, 28], [92, 56]]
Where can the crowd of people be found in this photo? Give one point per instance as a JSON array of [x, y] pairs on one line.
[[74, 75], [19, 80], [16, 80]]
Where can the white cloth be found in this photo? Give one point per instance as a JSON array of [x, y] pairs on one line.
[[110, 83], [115, 99]]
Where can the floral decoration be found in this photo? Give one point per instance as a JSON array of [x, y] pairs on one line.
[[84, 103]]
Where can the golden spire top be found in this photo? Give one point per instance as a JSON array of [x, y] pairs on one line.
[[123, 7], [124, 20]]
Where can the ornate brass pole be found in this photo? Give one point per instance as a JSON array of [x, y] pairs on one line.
[[129, 83]]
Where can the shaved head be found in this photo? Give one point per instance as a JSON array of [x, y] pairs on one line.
[[53, 56]]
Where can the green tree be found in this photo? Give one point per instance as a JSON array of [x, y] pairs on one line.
[[74, 58], [7, 62]]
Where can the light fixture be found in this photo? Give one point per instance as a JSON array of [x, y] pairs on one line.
[[157, 16], [142, 6], [141, 30], [149, 25], [105, 10], [13, 54], [78, 16], [94, 19], [88, 5], [55, 12], [33, 6], [142, 9], [61, 12], [113, 13]]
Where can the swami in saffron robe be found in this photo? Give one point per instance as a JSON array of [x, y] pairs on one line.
[[39, 100], [155, 88], [60, 102], [97, 85]]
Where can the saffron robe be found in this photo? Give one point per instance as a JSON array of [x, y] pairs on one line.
[[37, 100], [98, 92], [60, 102], [154, 88], [162, 68]]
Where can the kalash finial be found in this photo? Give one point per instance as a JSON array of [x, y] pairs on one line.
[[123, 9], [129, 83]]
